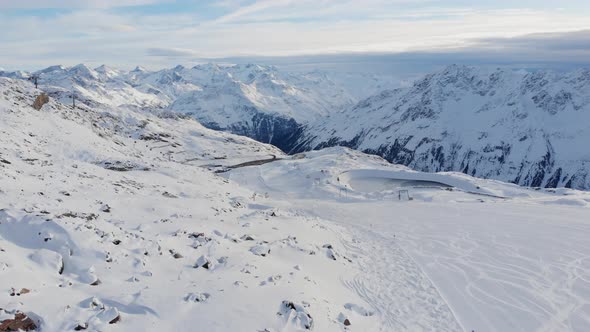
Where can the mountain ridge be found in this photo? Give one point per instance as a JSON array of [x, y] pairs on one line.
[[523, 128], [515, 126]]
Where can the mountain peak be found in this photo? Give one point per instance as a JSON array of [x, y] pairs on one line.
[[51, 69], [82, 70], [139, 69], [103, 68]]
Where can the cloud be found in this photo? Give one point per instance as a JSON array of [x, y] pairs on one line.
[[170, 52], [559, 41], [254, 8], [70, 4], [285, 28]]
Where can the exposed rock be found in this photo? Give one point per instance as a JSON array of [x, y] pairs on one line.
[[260, 250], [87, 216], [23, 291], [115, 320], [21, 322], [81, 327], [41, 100], [175, 254], [169, 195], [296, 314], [247, 237], [205, 263], [199, 239], [197, 297], [122, 166], [110, 315]]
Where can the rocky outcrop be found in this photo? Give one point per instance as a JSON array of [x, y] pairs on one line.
[[282, 132], [41, 100], [21, 322]]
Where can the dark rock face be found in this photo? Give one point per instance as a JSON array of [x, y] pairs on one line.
[[279, 131]]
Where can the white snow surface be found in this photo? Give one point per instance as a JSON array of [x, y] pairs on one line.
[[110, 212], [491, 256]]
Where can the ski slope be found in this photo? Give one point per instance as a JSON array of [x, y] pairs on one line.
[[501, 257]]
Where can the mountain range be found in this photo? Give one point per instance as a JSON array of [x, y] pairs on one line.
[[527, 128]]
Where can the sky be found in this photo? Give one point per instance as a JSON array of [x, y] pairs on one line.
[[162, 33]]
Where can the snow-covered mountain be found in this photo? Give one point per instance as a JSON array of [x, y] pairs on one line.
[[527, 128], [260, 102], [113, 219], [118, 219]]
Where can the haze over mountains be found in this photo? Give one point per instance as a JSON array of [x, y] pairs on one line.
[[526, 128]]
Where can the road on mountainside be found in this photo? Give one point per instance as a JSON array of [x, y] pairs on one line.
[[255, 162]]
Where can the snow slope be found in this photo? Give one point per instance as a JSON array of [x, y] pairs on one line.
[[111, 220], [526, 128], [502, 257]]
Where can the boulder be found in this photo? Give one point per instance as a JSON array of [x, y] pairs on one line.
[[21, 322], [41, 100]]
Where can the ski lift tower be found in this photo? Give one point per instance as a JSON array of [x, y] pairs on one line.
[[35, 80], [73, 94]]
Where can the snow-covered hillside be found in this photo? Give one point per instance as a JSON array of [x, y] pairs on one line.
[[117, 219], [260, 102], [526, 128], [113, 220]]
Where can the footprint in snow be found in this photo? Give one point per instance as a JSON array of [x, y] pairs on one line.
[[271, 280], [358, 309]]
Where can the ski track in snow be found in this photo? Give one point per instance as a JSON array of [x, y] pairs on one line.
[[513, 273], [494, 280], [397, 288]]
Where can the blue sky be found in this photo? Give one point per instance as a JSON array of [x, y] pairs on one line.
[[157, 33]]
